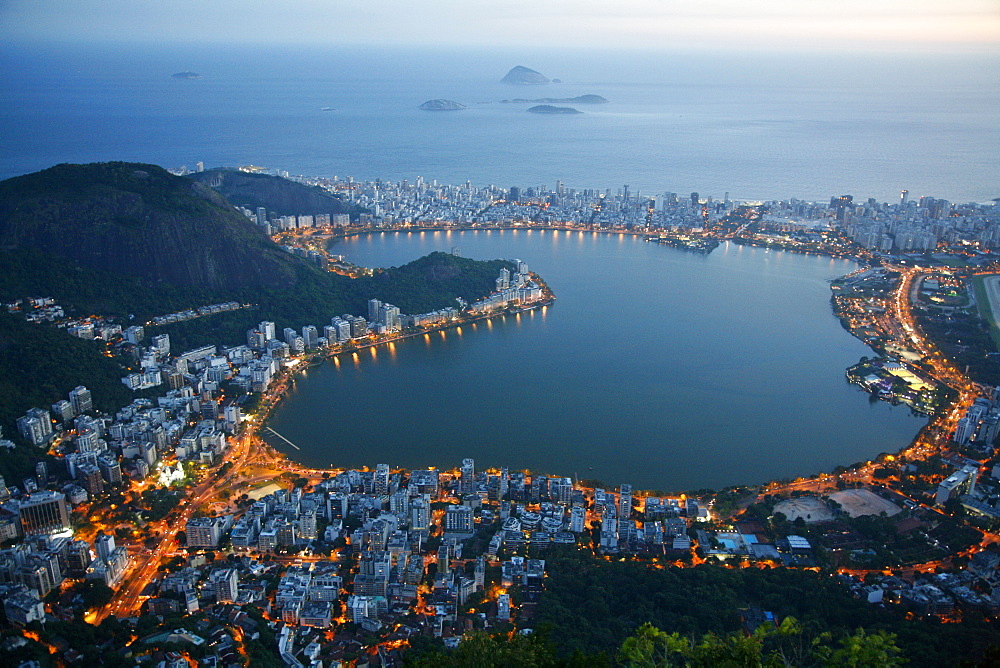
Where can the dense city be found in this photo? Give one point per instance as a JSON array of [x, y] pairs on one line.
[[178, 517]]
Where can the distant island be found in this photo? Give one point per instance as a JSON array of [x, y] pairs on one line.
[[549, 109], [524, 76], [186, 75], [579, 99], [442, 105]]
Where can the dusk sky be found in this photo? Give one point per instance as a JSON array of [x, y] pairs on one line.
[[772, 24]]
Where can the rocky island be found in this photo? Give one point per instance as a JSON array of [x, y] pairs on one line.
[[442, 105], [579, 99], [524, 76], [549, 109], [186, 75]]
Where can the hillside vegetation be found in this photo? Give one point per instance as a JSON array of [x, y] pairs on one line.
[[279, 196]]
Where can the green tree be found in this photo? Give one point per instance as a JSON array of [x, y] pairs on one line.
[[650, 647], [863, 650]]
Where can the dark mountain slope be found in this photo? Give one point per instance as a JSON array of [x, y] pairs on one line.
[[279, 196], [140, 221]]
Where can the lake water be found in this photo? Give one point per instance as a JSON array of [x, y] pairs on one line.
[[665, 369]]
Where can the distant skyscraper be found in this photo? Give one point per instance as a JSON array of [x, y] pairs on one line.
[[903, 196], [694, 199], [625, 501], [382, 480], [468, 483], [842, 205], [310, 335]]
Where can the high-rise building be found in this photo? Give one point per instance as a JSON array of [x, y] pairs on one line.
[[44, 513], [388, 315], [503, 281], [226, 584], [382, 480], [842, 205], [267, 328], [459, 519], [91, 478], [104, 544], [625, 501], [480, 573], [420, 515], [161, 344], [503, 608], [111, 469], [62, 410], [44, 420], [467, 484], [374, 308], [310, 335], [31, 429], [81, 400], [903, 196]]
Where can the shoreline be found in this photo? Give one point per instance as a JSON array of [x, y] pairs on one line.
[[648, 236]]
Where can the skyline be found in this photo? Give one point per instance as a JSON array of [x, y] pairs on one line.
[[925, 25]]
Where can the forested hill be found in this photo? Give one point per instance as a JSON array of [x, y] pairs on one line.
[[279, 196], [39, 365], [140, 221], [426, 284]]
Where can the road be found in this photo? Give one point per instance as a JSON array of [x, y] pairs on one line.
[[126, 600]]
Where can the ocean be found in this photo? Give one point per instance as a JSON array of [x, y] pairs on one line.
[[754, 125]]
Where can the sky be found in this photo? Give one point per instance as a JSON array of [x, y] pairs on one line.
[[924, 25]]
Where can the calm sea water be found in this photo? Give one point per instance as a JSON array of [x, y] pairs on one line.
[[752, 125], [657, 367]]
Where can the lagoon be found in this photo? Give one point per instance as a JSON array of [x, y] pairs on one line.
[[658, 367]]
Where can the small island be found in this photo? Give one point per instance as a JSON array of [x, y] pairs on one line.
[[549, 109], [524, 76], [186, 75], [442, 105], [579, 99]]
